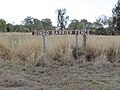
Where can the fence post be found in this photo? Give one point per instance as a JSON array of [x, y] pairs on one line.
[[44, 46], [76, 46], [71, 40], [84, 37], [84, 40]]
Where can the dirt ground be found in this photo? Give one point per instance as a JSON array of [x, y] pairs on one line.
[[84, 76]]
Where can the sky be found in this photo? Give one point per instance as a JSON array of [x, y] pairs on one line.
[[17, 10]]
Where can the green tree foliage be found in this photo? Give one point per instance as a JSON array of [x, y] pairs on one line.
[[98, 23], [20, 28], [103, 26], [37, 24], [83, 24], [79, 25], [116, 16], [62, 19], [2, 25], [9, 27], [74, 24], [47, 24], [28, 22], [103, 21], [16, 28]]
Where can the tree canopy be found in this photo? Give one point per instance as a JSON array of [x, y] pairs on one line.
[[62, 19], [116, 17]]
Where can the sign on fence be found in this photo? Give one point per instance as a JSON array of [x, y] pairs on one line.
[[63, 32]]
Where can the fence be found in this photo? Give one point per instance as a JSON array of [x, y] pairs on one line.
[[63, 32]]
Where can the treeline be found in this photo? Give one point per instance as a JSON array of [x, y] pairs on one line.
[[27, 25], [102, 26]]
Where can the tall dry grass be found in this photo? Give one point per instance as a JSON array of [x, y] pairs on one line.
[[24, 48]]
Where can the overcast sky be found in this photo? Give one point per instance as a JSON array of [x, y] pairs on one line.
[[16, 10]]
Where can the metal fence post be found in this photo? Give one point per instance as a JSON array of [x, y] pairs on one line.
[[76, 46], [44, 46], [84, 37], [84, 40], [71, 40]]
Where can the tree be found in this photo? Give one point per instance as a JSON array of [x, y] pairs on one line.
[[83, 24], [33, 23], [47, 24], [98, 23], [28, 22], [9, 27], [2, 25], [37, 24], [16, 28], [62, 19], [90, 26], [104, 21], [116, 16], [110, 22], [79, 25], [74, 24], [20, 28], [104, 26]]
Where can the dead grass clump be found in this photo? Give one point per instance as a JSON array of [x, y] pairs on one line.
[[113, 55], [27, 49], [28, 52], [63, 54], [89, 54], [102, 62], [5, 52], [79, 51], [14, 81]]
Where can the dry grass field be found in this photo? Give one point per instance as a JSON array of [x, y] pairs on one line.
[[24, 65]]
